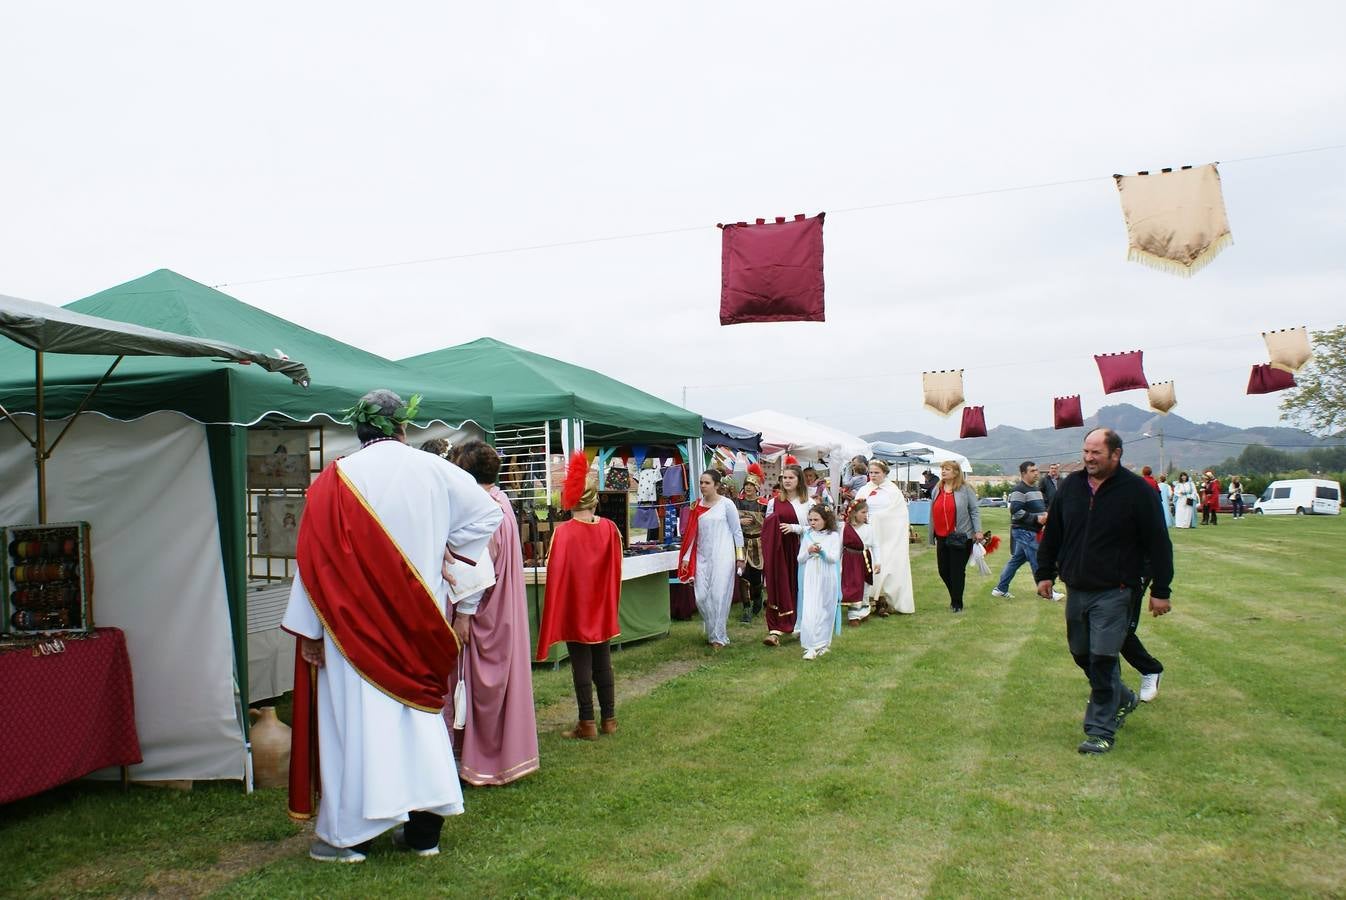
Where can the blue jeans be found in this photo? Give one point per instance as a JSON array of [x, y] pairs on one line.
[[1025, 544]]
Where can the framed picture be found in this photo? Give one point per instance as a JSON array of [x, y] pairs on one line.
[[278, 525], [278, 458]]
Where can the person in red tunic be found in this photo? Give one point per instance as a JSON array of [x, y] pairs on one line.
[[780, 552], [584, 582]]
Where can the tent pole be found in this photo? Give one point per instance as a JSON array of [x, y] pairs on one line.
[[9, 417], [41, 445], [83, 403]]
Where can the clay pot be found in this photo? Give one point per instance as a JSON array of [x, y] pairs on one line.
[[270, 749]]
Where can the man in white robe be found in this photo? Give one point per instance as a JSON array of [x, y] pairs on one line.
[[383, 762]]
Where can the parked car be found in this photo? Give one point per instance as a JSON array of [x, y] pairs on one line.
[[1300, 496], [993, 501]]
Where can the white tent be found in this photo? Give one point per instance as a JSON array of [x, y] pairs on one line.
[[933, 456], [804, 439]]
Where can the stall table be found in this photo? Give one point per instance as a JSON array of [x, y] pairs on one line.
[[65, 714], [643, 610]]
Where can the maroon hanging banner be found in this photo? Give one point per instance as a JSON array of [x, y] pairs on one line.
[[772, 271], [1267, 379], [1122, 371], [1066, 412], [974, 422]]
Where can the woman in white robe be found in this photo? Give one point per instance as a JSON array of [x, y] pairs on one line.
[[892, 529], [1184, 502], [819, 581], [718, 547]]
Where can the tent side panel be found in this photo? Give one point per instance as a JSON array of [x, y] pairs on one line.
[[228, 446]]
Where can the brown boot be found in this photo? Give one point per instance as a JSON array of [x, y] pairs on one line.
[[610, 725], [584, 730]]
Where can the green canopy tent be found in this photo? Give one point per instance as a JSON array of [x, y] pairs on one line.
[[219, 400], [589, 409]]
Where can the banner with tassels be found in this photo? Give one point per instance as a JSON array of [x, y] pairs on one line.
[[1288, 348], [772, 271], [1122, 371], [1163, 397], [1175, 220]]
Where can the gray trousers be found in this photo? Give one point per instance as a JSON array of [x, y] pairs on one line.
[[1096, 626]]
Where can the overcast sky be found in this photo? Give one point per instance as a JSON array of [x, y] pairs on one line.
[[245, 141]]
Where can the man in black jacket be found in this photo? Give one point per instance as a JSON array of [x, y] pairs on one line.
[[1105, 522]]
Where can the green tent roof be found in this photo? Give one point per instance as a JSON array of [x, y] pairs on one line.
[[216, 391], [528, 387]]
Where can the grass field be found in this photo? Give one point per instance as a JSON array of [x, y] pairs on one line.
[[930, 755]]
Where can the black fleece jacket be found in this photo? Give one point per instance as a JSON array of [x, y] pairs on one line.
[[1102, 540]]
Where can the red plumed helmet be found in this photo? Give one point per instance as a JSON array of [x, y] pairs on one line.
[[992, 543], [577, 474], [790, 460]]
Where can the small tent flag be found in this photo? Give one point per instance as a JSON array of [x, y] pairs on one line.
[[1175, 220], [1266, 379], [1122, 371], [772, 271], [974, 422], [943, 390], [1066, 412], [1162, 397], [1288, 348]]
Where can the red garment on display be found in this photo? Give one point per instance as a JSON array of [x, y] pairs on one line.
[[1267, 379], [772, 271], [943, 513], [855, 572], [64, 715], [1122, 371], [780, 568], [1066, 412], [974, 422], [584, 585]]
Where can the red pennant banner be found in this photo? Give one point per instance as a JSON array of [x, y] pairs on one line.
[[974, 422], [772, 271], [1066, 412], [1122, 371], [1267, 379]]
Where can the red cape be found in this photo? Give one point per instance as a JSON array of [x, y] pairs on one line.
[[584, 585], [376, 609], [687, 551]]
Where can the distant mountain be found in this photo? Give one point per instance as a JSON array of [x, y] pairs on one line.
[[1186, 444]]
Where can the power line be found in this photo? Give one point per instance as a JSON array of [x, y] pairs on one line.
[[528, 248]]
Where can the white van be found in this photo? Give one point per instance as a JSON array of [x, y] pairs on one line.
[[1302, 496]]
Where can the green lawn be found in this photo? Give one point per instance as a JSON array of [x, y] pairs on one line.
[[928, 755]]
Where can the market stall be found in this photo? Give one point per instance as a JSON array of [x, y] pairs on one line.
[[808, 441], [163, 461], [644, 447]]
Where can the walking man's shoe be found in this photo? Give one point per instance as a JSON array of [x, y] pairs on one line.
[[400, 842], [321, 851], [1149, 686], [1125, 710], [1095, 745], [997, 592]]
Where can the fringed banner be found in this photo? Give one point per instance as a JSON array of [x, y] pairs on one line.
[[974, 422], [772, 272], [1122, 371], [1175, 220], [1266, 379], [1163, 397], [1066, 412], [1288, 348], [943, 390]]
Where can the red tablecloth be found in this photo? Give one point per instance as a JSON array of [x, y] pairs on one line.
[[65, 715]]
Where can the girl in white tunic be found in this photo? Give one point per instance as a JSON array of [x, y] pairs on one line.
[[892, 527], [718, 550], [819, 581]]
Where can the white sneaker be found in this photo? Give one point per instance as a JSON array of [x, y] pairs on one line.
[[1149, 686], [821, 651], [321, 851], [810, 654], [997, 592], [1058, 596], [400, 842]]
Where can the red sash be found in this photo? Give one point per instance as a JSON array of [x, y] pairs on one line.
[[375, 608], [687, 553]]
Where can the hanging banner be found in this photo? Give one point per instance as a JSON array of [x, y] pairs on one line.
[[974, 422], [943, 390], [1175, 220], [772, 271], [1162, 397], [1267, 379], [1066, 412], [1122, 371], [1288, 348]]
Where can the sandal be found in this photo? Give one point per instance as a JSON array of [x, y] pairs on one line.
[[771, 640]]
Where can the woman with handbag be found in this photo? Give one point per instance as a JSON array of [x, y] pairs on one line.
[[1184, 502], [955, 522]]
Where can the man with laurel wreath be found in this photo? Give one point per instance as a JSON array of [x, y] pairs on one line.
[[375, 650]]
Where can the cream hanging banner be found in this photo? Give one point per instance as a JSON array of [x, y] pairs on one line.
[[1175, 220], [943, 390]]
